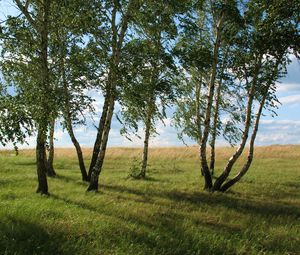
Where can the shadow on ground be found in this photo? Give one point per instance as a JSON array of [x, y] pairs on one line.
[[22, 238]]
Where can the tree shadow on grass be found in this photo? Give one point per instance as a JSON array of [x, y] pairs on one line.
[[146, 179], [163, 232], [71, 179], [5, 182], [295, 185], [22, 238], [260, 208], [24, 163]]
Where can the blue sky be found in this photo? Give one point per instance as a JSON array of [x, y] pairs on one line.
[[283, 129]]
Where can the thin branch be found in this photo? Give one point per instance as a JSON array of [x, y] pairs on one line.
[[24, 10]]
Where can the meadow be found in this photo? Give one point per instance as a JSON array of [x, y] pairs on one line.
[[168, 213]]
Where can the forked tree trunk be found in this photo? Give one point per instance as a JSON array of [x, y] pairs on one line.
[[211, 91], [117, 42], [50, 170], [246, 166], [41, 161], [220, 180]]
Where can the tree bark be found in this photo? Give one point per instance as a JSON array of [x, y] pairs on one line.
[[50, 171], [215, 120], [220, 180], [43, 120], [77, 146], [198, 117], [97, 144], [41, 161], [204, 164], [146, 140], [247, 165], [94, 181]]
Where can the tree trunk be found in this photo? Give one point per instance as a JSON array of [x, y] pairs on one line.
[[76, 144], [97, 144], [246, 166], [146, 141], [43, 120], [198, 117], [198, 110], [41, 162], [204, 164], [68, 120], [100, 159], [50, 169], [220, 180], [215, 120], [117, 42]]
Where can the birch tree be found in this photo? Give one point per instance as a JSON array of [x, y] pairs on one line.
[[26, 67], [75, 67], [120, 14], [257, 57]]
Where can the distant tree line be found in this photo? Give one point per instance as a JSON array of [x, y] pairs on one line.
[[215, 62]]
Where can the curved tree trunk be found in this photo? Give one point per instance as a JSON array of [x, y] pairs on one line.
[[246, 166], [68, 120], [220, 180], [50, 168], [76, 144]]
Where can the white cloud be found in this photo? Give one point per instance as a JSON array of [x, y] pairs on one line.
[[288, 87], [292, 99], [279, 132]]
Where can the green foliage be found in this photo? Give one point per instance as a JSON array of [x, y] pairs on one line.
[[15, 121], [135, 168], [149, 85]]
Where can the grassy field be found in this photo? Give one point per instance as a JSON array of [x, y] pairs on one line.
[[168, 213]]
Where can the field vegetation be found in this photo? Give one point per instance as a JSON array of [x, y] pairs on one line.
[[167, 213]]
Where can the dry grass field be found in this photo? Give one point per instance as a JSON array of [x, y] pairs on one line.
[[191, 152]]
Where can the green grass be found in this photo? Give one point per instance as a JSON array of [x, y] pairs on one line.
[[167, 214]]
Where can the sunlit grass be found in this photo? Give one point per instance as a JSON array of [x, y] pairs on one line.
[[168, 213]]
